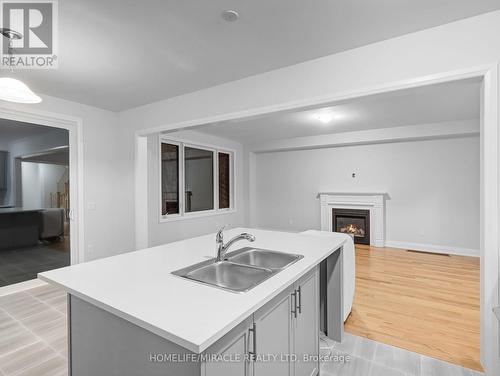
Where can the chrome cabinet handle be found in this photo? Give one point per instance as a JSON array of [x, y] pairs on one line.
[[294, 309], [299, 294], [253, 354]]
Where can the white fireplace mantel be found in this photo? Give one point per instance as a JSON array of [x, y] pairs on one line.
[[374, 202]]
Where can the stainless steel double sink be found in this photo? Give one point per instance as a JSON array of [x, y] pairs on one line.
[[240, 270]]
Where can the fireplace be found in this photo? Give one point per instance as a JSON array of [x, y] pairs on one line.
[[352, 221], [374, 203]]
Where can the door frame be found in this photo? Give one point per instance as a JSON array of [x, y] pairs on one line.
[[76, 187], [489, 185]]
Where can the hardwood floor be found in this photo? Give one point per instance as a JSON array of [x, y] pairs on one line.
[[423, 302]]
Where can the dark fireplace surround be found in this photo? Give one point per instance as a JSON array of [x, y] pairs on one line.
[[352, 221]]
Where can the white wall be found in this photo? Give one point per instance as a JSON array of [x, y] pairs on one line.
[[26, 146], [39, 180], [31, 197], [50, 175], [433, 188], [61, 184], [165, 232]]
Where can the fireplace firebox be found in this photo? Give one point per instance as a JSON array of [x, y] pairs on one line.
[[352, 221]]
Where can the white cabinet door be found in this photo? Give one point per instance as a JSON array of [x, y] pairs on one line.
[[273, 331], [230, 353], [306, 326]]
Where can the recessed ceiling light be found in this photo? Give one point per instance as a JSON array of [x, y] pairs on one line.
[[324, 117], [230, 15]]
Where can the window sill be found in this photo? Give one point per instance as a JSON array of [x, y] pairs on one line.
[[195, 215]]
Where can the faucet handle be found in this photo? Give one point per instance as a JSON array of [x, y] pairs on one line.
[[219, 237]]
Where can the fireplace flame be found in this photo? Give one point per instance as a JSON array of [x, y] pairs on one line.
[[353, 229]]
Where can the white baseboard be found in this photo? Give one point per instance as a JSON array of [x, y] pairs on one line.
[[21, 286], [432, 248]]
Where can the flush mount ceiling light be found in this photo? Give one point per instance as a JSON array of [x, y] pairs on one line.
[[324, 117], [230, 15], [11, 89]]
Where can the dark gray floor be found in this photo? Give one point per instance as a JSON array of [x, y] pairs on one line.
[[23, 264]]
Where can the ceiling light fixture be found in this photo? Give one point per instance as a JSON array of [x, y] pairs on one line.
[[230, 15], [324, 117], [11, 89]]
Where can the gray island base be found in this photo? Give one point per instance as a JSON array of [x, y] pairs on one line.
[[280, 338]]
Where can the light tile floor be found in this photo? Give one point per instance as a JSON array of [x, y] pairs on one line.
[[33, 342], [370, 358], [33, 333]]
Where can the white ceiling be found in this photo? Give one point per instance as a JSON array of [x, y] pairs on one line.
[[118, 54], [11, 131], [455, 101]]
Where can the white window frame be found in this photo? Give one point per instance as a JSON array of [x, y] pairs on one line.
[[183, 215]]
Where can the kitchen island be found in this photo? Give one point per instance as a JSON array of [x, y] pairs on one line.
[[19, 227], [129, 315]]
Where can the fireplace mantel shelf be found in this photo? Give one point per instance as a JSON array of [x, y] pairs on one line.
[[385, 194]]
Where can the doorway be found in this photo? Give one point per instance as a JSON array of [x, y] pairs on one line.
[[36, 170]]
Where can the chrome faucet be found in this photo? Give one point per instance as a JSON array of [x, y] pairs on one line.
[[222, 248]]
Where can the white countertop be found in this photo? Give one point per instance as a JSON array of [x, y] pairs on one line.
[[15, 210], [138, 286]]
